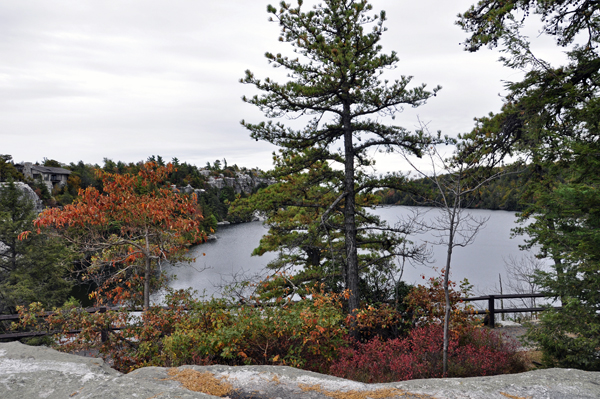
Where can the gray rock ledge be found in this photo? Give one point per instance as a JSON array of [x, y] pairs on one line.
[[40, 372]]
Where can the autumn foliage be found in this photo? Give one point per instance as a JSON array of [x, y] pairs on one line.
[[305, 334], [137, 221], [426, 303], [127, 229], [311, 334], [472, 352]]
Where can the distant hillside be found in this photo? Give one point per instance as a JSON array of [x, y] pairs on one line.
[[504, 193], [216, 184]]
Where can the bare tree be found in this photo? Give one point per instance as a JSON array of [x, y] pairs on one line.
[[454, 181], [240, 285], [521, 273]]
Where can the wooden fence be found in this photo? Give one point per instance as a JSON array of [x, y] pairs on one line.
[[19, 335], [491, 310]]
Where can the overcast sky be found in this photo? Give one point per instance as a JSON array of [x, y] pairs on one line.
[[126, 79]]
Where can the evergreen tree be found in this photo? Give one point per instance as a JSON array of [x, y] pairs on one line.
[[552, 119], [293, 208], [8, 170], [35, 269], [306, 219], [337, 79]]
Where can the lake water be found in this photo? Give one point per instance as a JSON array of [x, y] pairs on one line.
[[219, 262]]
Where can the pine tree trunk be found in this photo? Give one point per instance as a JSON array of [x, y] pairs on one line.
[[349, 215], [558, 266]]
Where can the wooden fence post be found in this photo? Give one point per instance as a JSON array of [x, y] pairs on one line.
[[104, 331], [492, 310]]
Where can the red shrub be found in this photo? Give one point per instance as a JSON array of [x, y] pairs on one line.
[[475, 352]]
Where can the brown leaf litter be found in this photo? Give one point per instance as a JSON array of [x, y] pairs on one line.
[[206, 382], [383, 393], [201, 382]]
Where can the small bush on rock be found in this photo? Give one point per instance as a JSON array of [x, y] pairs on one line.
[[305, 334], [473, 352], [383, 321], [568, 337], [426, 303]]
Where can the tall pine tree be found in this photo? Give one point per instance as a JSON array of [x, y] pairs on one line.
[[336, 79]]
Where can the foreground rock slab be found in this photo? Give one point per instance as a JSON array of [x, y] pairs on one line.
[[28, 372], [39, 372]]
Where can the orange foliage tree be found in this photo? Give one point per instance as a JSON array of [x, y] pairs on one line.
[[127, 230]]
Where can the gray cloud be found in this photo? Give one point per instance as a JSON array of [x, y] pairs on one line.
[[124, 79]]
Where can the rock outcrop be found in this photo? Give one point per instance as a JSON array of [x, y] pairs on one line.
[[39, 372], [242, 182], [29, 194]]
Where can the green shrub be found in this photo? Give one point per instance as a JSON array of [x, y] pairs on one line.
[[305, 334], [568, 337]]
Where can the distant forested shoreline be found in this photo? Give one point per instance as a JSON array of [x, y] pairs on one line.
[[507, 192]]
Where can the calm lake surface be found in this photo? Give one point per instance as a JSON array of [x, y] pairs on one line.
[[217, 262]]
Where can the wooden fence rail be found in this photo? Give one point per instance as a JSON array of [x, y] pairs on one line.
[[491, 310], [18, 335], [45, 314]]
